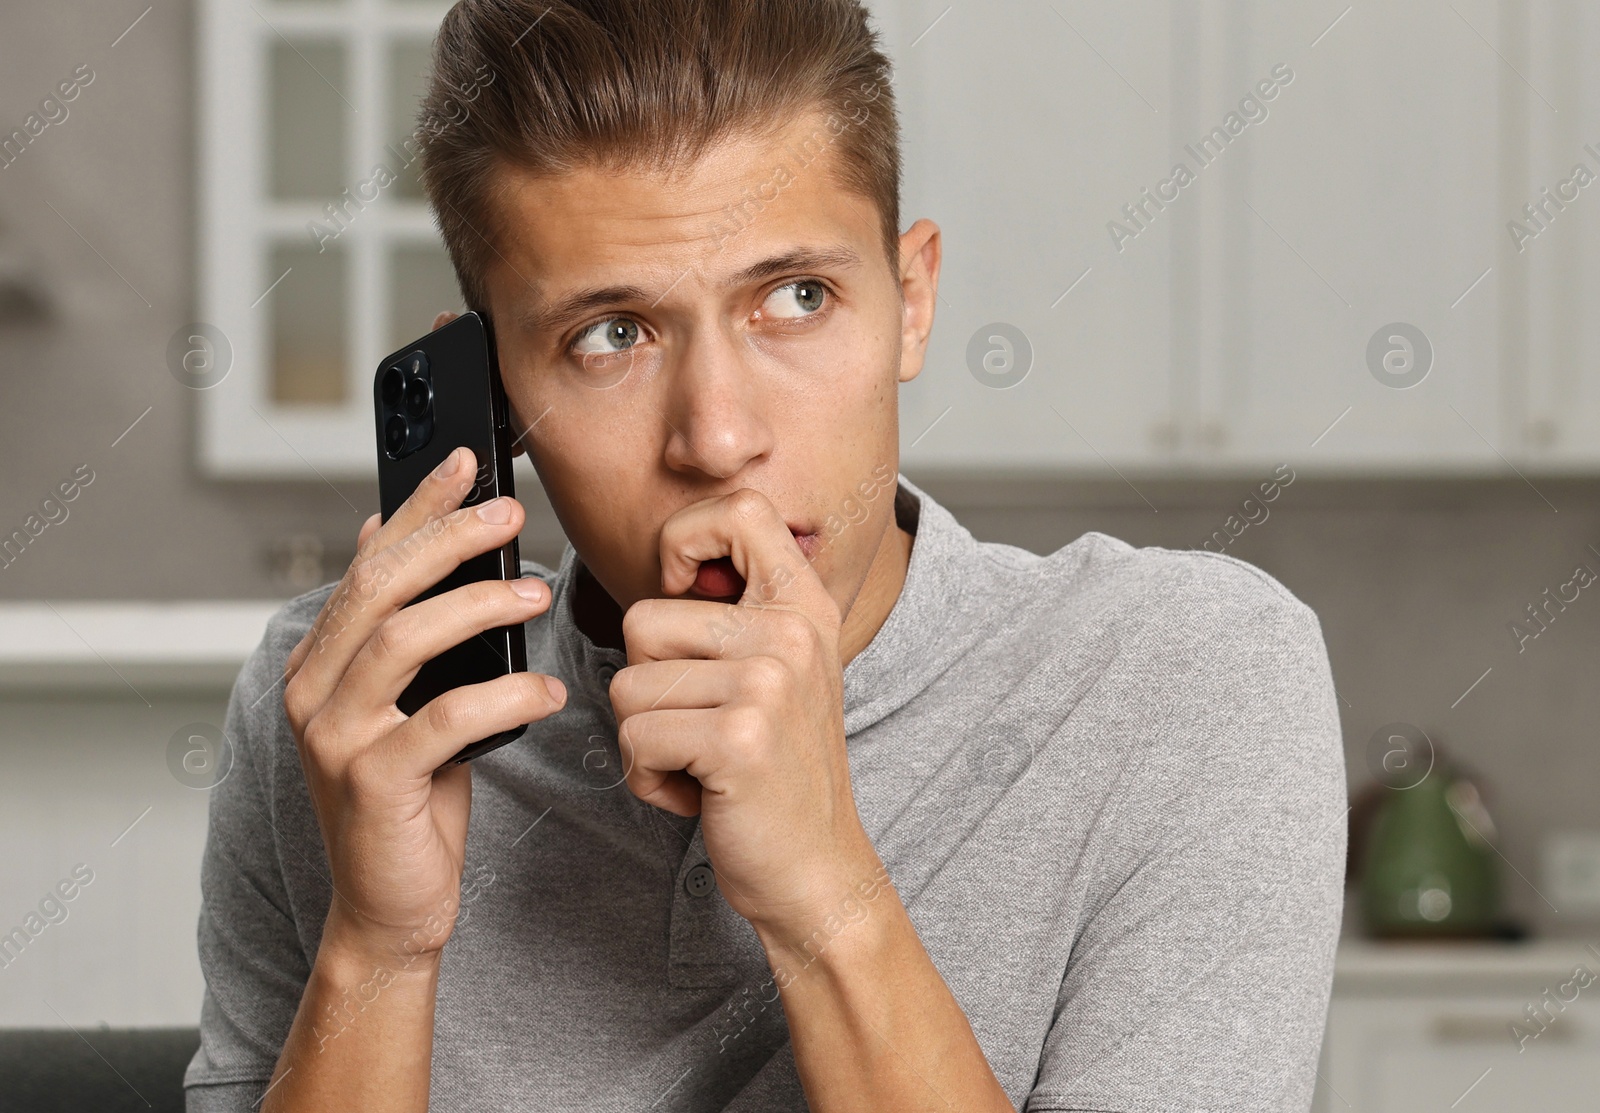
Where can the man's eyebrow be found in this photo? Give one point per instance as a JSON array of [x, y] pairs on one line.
[[798, 259], [549, 317]]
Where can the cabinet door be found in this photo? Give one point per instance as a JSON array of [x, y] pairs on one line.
[[1367, 197], [1553, 254], [1403, 1054], [1026, 127], [1339, 176]]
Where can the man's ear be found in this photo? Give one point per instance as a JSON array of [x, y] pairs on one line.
[[920, 251], [444, 319]]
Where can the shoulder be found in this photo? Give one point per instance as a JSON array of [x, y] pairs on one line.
[[1207, 662], [1211, 689], [1153, 596]]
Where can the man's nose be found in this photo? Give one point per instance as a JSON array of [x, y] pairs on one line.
[[716, 408]]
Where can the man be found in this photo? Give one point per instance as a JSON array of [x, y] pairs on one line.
[[824, 804]]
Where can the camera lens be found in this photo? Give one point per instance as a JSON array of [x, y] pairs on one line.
[[419, 396], [395, 434], [394, 384]]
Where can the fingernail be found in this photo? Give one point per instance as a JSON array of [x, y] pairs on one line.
[[558, 690], [528, 587], [497, 511], [448, 466]]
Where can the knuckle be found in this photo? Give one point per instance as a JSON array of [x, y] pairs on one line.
[[315, 735], [366, 579], [391, 637], [365, 547], [764, 676], [444, 714], [747, 504], [400, 555], [623, 689], [744, 726], [297, 703], [630, 733], [793, 632], [491, 598], [457, 520], [640, 617]]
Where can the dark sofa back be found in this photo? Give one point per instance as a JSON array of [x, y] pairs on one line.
[[102, 1070]]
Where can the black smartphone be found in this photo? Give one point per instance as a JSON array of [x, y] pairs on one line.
[[432, 397]]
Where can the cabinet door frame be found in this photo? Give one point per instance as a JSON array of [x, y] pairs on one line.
[[243, 432]]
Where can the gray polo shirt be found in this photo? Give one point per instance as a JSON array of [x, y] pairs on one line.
[[1107, 783]]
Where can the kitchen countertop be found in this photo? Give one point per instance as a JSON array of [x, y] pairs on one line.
[[1367, 966], [110, 647]]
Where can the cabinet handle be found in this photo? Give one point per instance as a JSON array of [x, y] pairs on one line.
[[1541, 432], [1165, 434], [1468, 1028]]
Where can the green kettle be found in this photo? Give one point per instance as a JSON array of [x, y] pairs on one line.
[[1430, 869]]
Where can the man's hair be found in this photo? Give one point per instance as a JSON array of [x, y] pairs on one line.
[[551, 86]]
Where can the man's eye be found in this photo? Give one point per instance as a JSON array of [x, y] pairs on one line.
[[797, 299], [606, 338]]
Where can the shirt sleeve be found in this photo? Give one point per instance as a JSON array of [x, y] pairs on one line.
[[1199, 978], [252, 952]]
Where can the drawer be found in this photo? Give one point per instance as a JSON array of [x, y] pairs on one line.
[[1470, 1052]]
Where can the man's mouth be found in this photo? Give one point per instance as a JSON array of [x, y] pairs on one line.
[[718, 579]]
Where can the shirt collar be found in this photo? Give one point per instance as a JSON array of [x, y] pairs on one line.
[[929, 624]]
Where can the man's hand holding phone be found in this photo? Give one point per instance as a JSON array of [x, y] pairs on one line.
[[393, 814]]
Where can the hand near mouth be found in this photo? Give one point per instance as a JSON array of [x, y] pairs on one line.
[[734, 710], [718, 579]]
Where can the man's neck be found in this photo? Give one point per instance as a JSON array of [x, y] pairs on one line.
[[594, 612], [879, 591], [600, 619]]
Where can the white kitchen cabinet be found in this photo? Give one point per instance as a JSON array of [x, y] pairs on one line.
[[99, 706], [1224, 330], [1360, 203], [1555, 276], [1231, 332], [1415, 1027], [1025, 128]]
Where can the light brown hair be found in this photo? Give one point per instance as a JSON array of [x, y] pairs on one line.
[[548, 86]]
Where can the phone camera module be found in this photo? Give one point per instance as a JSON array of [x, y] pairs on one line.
[[394, 385], [419, 397], [396, 432], [405, 405]]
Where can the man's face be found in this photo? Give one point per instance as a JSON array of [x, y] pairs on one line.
[[761, 347]]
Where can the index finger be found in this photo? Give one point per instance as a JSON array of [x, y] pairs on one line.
[[748, 528], [439, 493]]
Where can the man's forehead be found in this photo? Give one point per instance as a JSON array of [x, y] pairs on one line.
[[588, 238]]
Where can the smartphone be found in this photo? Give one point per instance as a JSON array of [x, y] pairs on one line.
[[432, 397]]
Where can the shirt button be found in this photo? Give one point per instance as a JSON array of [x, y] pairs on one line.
[[700, 880], [607, 671]]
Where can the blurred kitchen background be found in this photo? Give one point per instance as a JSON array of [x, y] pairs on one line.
[[1372, 289]]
